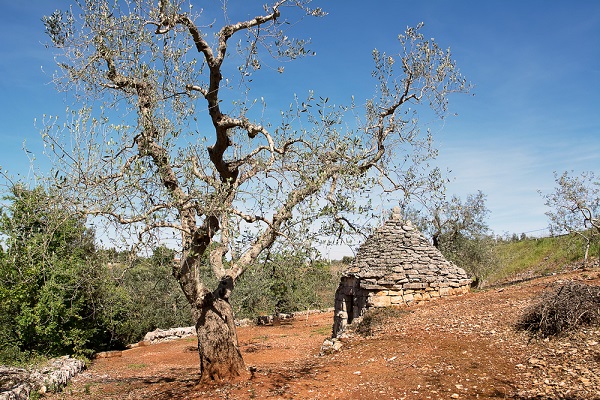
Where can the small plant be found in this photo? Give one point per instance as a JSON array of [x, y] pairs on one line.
[[323, 330], [375, 318], [34, 395], [137, 366], [565, 307]]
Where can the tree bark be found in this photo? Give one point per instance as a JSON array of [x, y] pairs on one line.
[[220, 356], [436, 240]]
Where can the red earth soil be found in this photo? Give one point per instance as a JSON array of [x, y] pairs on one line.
[[464, 348]]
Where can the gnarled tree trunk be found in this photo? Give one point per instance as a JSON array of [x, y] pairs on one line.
[[220, 356]]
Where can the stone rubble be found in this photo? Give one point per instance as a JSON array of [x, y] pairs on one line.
[[21, 383], [163, 335], [330, 345], [564, 367]]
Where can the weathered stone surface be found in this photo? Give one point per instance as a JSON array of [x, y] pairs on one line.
[[396, 265], [415, 285], [20, 383], [163, 335], [381, 301], [371, 287], [330, 346]]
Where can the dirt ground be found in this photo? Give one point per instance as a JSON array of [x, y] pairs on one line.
[[454, 348]]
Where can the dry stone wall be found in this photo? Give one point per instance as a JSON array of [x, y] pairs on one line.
[[396, 266], [22, 384]]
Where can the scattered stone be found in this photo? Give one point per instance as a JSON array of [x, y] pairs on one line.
[[21, 383], [330, 345], [163, 335], [109, 354]]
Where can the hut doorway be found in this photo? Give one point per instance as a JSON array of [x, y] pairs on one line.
[[349, 308]]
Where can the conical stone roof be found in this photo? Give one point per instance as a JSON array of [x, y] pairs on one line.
[[398, 256]]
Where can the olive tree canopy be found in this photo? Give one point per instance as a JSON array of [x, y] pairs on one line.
[[166, 133], [575, 206]]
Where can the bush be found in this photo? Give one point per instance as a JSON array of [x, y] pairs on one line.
[[475, 255], [565, 307], [148, 297], [48, 283]]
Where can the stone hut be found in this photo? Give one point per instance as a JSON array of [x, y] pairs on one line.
[[396, 266]]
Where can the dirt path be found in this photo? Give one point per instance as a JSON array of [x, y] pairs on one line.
[[462, 347]]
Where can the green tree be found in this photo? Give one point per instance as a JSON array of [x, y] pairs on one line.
[[575, 206], [152, 296], [459, 230], [48, 294], [285, 282], [455, 219], [141, 162]]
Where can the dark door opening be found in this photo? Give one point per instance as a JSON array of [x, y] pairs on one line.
[[350, 308]]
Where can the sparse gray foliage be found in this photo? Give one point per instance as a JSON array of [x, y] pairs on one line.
[[575, 206], [166, 135], [459, 230]]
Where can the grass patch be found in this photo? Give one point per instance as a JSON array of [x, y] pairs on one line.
[[323, 330], [137, 366], [539, 256]]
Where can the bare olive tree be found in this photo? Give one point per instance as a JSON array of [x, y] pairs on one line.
[[165, 136], [456, 218], [458, 228], [575, 206]]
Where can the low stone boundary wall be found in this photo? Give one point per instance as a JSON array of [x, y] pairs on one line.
[[164, 335], [21, 383], [269, 319]]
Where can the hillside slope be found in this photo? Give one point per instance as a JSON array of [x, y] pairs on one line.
[[463, 347], [538, 257]]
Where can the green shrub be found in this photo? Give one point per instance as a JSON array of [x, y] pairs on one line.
[[286, 282], [47, 279], [475, 255], [148, 296]]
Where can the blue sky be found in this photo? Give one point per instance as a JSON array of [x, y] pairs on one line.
[[535, 66]]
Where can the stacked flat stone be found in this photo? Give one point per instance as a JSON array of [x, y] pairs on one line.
[[396, 266], [23, 384]]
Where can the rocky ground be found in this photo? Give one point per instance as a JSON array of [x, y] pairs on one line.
[[456, 348]]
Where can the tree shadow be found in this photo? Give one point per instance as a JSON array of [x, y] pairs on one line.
[[172, 383], [279, 379]]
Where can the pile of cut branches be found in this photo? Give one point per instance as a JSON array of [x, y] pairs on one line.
[[564, 307]]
